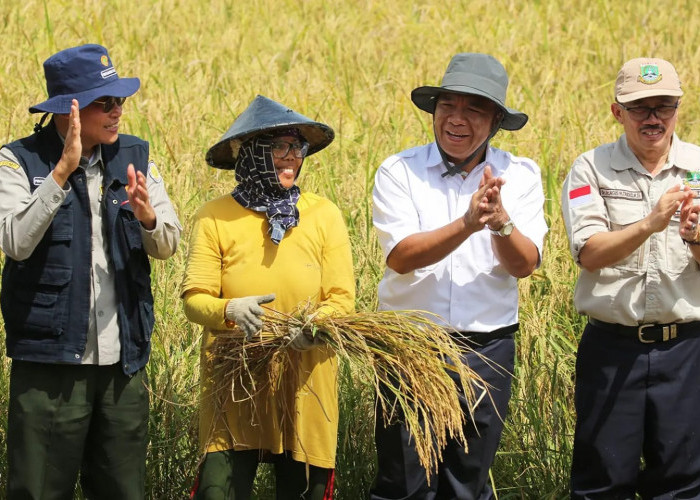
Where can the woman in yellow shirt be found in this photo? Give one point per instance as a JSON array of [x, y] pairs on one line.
[[268, 242]]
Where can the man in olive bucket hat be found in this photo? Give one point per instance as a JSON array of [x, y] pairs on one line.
[[459, 221], [81, 210]]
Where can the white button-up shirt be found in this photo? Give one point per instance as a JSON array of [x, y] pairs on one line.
[[469, 288]]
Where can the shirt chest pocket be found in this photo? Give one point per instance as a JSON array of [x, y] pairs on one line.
[[433, 212], [623, 213], [677, 254]]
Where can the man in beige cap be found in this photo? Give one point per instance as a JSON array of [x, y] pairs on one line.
[[632, 227]]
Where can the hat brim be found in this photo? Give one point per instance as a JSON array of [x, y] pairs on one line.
[[60, 104], [224, 153], [642, 94], [425, 99]]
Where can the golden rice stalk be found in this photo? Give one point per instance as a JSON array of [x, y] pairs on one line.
[[404, 353]]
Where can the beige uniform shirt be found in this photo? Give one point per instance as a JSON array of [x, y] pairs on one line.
[[608, 189], [25, 216]]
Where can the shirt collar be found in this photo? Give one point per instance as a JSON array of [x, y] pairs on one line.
[[623, 158], [96, 157], [435, 160], [682, 156]]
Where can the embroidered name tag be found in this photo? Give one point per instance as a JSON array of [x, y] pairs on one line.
[[621, 194]]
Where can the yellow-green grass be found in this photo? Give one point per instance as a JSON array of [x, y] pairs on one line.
[[352, 65]]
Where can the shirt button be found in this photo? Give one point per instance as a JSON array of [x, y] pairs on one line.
[[652, 297], [100, 313], [56, 198], [114, 202]]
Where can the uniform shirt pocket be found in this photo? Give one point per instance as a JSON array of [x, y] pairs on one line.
[[677, 254], [624, 213]]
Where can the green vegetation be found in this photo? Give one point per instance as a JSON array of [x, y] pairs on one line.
[[352, 65]]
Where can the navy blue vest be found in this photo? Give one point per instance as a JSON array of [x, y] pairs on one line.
[[45, 299]]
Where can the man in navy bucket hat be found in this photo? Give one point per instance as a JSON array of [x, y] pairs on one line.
[[459, 221], [82, 207], [83, 73]]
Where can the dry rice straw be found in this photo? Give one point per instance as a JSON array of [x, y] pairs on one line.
[[405, 354]]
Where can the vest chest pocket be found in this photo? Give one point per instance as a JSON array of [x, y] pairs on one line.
[[135, 258], [62, 225], [38, 301], [131, 228], [132, 234]]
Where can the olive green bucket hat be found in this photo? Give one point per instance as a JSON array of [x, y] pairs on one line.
[[477, 74], [261, 116]]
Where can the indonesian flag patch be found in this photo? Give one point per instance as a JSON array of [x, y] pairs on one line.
[[580, 196]]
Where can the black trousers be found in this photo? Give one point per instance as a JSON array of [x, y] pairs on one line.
[[636, 400], [460, 475]]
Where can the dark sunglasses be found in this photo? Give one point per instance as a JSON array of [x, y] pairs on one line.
[[108, 103]]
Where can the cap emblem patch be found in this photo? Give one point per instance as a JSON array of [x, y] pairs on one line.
[[649, 74]]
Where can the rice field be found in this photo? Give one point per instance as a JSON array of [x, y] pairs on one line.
[[352, 65]]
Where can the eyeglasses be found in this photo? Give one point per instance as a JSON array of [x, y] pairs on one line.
[[280, 149], [641, 113], [108, 103]]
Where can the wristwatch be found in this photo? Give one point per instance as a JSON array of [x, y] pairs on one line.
[[505, 230]]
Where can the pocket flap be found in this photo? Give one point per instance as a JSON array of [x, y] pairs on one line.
[[55, 275]]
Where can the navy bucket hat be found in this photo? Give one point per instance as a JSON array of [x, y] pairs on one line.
[[478, 74], [84, 73], [264, 115]]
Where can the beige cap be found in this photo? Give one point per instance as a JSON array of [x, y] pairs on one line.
[[645, 77]]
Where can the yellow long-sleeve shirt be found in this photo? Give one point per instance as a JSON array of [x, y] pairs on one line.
[[231, 255]]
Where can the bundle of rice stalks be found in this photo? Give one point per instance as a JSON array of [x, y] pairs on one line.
[[405, 355]]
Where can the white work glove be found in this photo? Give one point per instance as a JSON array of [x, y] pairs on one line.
[[300, 341], [246, 312]]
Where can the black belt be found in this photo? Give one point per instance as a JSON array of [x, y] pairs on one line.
[[481, 338], [649, 332]]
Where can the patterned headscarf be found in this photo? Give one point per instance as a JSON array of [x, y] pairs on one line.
[[260, 190]]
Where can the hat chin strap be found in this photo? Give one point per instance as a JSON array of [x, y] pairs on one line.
[[38, 126], [453, 169]]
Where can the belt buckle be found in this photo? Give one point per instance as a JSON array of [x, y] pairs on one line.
[[668, 332], [640, 333]]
